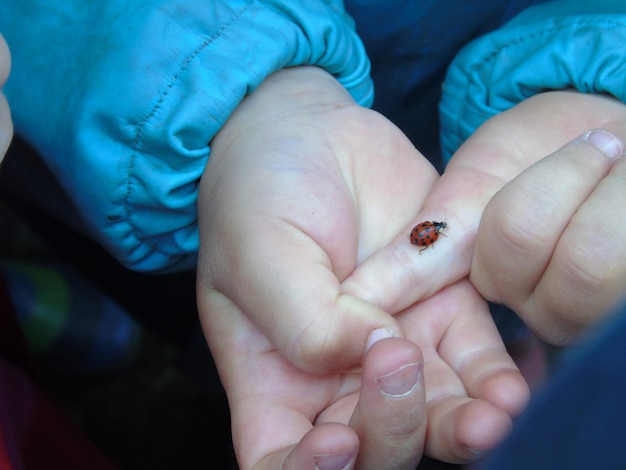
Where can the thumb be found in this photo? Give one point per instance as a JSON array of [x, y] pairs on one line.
[[401, 273], [397, 276], [291, 294], [535, 251]]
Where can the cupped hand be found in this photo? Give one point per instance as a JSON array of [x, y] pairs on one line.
[[303, 185], [380, 416], [6, 124], [285, 418]]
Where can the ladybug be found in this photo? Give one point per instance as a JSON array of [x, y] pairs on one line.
[[426, 234]]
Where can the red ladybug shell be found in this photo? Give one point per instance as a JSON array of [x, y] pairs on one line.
[[426, 233]]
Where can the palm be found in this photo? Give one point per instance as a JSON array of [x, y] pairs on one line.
[[274, 404], [321, 199], [296, 202]]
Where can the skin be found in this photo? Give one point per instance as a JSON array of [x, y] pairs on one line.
[[343, 252], [303, 188], [550, 240], [293, 404], [304, 367], [6, 125]]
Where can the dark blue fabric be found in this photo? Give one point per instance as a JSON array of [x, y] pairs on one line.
[[578, 421], [411, 44]]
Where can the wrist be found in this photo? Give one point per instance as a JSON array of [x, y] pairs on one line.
[[304, 90]]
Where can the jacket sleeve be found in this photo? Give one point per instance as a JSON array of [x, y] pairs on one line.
[[553, 46], [122, 98]]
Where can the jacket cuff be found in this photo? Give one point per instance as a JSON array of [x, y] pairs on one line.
[[554, 46], [121, 101]]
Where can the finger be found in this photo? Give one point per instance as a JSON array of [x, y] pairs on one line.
[[301, 310], [586, 276], [287, 242], [327, 446], [498, 151], [397, 276], [6, 124], [272, 403], [284, 274], [282, 250], [390, 417], [461, 429], [473, 349], [400, 273], [522, 224], [464, 360]]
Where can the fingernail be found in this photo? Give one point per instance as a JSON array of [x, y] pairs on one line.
[[401, 382], [606, 142], [378, 334], [334, 461]]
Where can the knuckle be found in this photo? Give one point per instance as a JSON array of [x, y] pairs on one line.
[[317, 352], [520, 234], [570, 302], [558, 326]]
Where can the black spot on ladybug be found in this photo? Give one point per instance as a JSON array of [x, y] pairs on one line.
[[426, 234]]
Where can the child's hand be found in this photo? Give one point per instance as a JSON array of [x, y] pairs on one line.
[[551, 244], [6, 124], [303, 186], [283, 417]]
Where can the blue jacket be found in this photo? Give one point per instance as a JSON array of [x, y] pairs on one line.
[[411, 45], [121, 98], [559, 45]]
